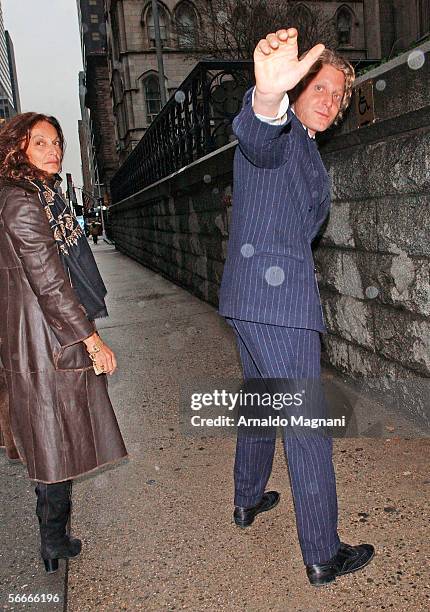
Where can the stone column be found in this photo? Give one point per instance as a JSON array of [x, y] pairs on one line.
[[372, 25]]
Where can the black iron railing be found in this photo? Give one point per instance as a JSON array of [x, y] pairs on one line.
[[195, 121]]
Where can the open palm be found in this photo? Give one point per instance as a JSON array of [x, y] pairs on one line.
[[276, 63]]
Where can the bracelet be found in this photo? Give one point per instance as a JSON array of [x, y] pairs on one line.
[[96, 349]]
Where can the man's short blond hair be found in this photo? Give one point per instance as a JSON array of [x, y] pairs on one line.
[[330, 58]]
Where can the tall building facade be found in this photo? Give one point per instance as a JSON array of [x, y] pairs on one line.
[[403, 22], [7, 103], [365, 29], [133, 67], [88, 158], [13, 73], [97, 116]]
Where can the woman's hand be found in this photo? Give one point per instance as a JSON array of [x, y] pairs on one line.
[[101, 355]]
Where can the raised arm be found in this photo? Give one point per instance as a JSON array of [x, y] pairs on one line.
[[277, 71]]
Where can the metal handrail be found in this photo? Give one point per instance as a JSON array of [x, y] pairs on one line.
[[195, 121]]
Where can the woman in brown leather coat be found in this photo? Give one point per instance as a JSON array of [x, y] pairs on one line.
[[61, 418]]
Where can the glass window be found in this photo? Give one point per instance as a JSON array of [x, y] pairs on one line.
[[115, 39], [96, 36], [163, 27], [94, 18], [344, 26], [152, 98], [186, 25]]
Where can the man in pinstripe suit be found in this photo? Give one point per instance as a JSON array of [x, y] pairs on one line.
[[269, 292]]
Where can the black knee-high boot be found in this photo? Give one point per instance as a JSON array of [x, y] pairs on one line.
[[53, 511]]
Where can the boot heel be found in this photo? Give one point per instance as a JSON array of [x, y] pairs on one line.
[[51, 565]]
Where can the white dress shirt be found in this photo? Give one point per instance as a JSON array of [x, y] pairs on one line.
[[282, 114]]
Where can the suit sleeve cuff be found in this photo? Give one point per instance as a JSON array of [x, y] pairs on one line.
[[282, 115]]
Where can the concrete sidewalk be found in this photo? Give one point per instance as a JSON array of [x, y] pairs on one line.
[[157, 531]]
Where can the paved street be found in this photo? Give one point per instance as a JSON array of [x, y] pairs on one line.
[[157, 531]]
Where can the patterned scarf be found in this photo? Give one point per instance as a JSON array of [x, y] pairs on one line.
[[74, 251]]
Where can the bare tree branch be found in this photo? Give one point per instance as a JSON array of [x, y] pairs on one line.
[[231, 29]]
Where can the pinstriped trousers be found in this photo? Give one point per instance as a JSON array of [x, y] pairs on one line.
[[271, 351]]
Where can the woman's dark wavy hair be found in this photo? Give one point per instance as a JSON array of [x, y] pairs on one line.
[[14, 140]]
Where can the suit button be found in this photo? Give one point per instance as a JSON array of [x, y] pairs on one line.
[[315, 194], [310, 208]]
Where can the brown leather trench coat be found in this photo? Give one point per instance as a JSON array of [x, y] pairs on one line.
[[61, 417]]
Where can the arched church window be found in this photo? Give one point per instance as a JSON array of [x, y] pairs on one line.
[[305, 23], [152, 97], [344, 26], [164, 31], [186, 25]]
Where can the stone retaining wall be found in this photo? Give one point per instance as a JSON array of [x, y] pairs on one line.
[[179, 226]]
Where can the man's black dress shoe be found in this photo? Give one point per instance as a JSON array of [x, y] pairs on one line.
[[347, 559], [243, 517]]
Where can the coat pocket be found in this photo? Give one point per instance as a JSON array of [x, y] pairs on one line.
[[288, 254], [279, 270]]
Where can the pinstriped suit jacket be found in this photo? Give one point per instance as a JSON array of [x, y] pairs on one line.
[[281, 197]]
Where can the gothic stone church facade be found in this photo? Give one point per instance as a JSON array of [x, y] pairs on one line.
[[366, 29]]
